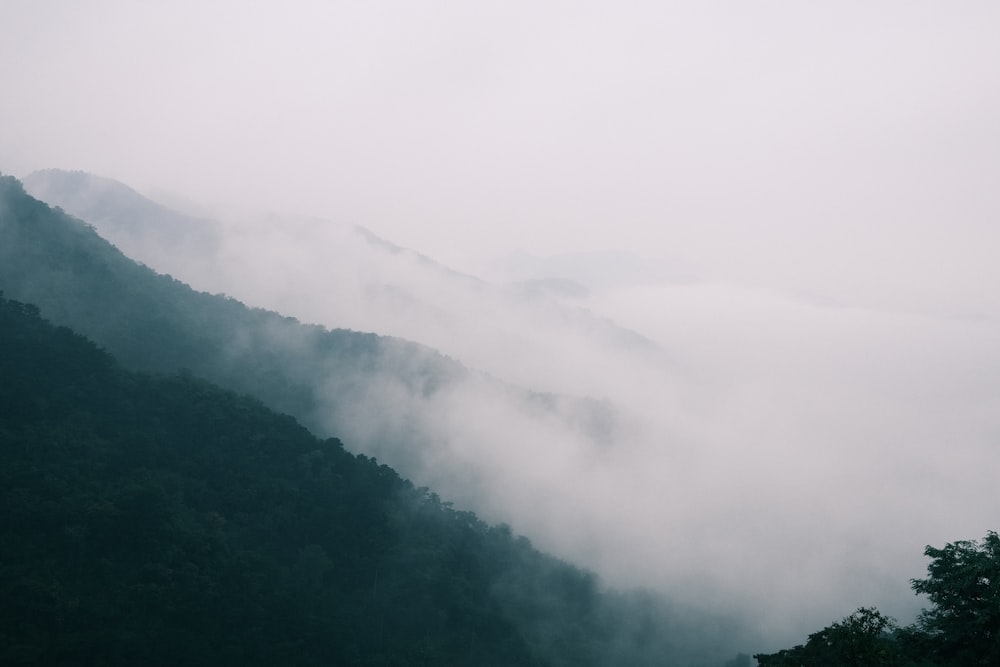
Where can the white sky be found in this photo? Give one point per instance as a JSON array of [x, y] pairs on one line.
[[849, 150]]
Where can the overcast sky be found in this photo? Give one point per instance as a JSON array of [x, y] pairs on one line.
[[849, 150], [826, 173]]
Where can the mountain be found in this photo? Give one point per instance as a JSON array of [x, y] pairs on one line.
[[440, 423], [345, 276], [325, 378], [400, 401], [513, 455], [160, 520], [139, 227]]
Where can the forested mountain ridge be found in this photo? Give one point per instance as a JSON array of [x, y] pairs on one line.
[[137, 225], [161, 520], [154, 322], [164, 521], [369, 283], [325, 378], [330, 380]]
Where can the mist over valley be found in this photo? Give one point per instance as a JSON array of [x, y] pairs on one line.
[[699, 299]]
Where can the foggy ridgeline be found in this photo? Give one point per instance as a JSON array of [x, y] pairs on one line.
[[342, 383], [154, 518], [162, 520]]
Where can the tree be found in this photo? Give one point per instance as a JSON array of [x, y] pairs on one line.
[[963, 583], [862, 639], [962, 629]]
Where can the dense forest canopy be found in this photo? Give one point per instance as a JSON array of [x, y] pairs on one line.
[[162, 520]]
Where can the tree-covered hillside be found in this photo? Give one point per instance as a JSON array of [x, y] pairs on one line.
[[161, 520], [138, 226], [336, 382], [325, 379], [164, 521], [153, 322]]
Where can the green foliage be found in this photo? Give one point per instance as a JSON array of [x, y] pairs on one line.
[[963, 583], [863, 639], [164, 521], [962, 629]]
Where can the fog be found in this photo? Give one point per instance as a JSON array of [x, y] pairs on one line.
[[760, 235]]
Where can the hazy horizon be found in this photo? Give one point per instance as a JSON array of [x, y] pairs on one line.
[[794, 205]]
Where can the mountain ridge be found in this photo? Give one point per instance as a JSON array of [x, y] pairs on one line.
[[369, 283], [391, 398], [78, 276], [162, 520]]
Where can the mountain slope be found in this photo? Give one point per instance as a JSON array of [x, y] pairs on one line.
[[342, 275], [163, 521], [139, 227], [488, 446], [378, 392]]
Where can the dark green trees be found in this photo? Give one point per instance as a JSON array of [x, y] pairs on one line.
[[963, 583], [164, 521], [160, 520], [961, 629], [862, 639]]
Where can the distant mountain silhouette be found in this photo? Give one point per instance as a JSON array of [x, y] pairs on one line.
[[367, 282], [164, 521], [138, 226]]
